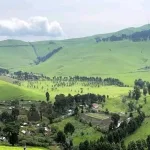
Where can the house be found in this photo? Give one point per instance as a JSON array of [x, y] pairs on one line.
[[3, 138], [23, 131], [95, 107]]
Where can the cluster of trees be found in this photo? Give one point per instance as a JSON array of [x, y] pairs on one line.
[[113, 81], [62, 136], [63, 103], [103, 144], [47, 56], [126, 128], [135, 37], [19, 75], [13, 119], [138, 145], [87, 81], [11, 125], [3, 71], [139, 84]]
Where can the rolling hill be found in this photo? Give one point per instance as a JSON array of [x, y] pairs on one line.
[[81, 56], [9, 91]]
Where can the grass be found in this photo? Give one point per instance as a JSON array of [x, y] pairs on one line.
[[82, 57], [9, 91], [91, 59], [112, 91], [89, 133], [97, 116], [19, 148]]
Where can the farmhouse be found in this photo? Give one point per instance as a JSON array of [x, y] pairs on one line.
[[95, 107]]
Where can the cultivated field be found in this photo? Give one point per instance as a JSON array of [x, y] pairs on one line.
[[82, 131]]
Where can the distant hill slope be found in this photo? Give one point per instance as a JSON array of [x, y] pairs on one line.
[[9, 91], [81, 56]]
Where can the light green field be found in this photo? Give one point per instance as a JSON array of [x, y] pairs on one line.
[[19, 148], [89, 133], [97, 116], [9, 91], [112, 91]]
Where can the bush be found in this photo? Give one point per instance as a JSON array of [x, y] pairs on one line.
[[35, 141], [90, 124], [22, 118], [107, 111]]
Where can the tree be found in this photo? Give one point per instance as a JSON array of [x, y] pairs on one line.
[[148, 86], [84, 145], [47, 96], [148, 142], [124, 99], [6, 117], [12, 130], [33, 114], [123, 145], [137, 92], [61, 137], [132, 146], [76, 110], [140, 145], [15, 113], [130, 94], [115, 118], [145, 91], [145, 100], [111, 126], [69, 128], [131, 106], [13, 138]]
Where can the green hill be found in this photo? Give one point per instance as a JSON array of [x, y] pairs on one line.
[[9, 91], [81, 56]]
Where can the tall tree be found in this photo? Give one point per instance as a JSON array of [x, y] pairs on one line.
[[61, 137], [12, 131], [148, 142], [137, 92], [15, 113], [47, 96], [145, 91], [115, 118], [69, 128]]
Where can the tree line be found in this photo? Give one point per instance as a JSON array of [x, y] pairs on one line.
[[135, 37], [3, 71], [86, 81], [20, 75]]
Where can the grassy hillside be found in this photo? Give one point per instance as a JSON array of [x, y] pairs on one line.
[[81, 56], [15, 54], [9, 91], [19, 148]]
